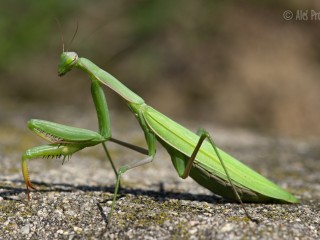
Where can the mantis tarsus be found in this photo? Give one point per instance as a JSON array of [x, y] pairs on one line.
[[191, 155]]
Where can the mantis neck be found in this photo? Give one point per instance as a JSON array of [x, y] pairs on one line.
[[107, 79]]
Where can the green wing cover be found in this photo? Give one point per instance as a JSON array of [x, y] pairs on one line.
[[185, 141]]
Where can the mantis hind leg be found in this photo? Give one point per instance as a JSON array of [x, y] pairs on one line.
[[203, 135]]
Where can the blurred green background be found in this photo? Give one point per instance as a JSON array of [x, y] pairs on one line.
[[232, 63]]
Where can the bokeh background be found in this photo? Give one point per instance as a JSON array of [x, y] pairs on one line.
[[238, 64]]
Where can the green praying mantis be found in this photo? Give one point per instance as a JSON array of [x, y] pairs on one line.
[[194, 155]]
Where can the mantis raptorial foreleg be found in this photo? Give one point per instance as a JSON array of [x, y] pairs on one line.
[[66, 140], [102, 111]]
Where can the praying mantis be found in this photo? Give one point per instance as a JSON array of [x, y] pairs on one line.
[[194, 155]]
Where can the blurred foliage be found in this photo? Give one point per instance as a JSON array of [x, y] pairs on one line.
[[237, 63], [25, 25]]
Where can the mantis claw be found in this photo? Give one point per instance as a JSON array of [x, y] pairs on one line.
[[29, 185], [26, 177]]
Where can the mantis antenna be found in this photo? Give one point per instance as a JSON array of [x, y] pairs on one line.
[[74, 35], [61, 34]]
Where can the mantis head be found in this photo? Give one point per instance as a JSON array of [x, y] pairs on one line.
[[67, 61]]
